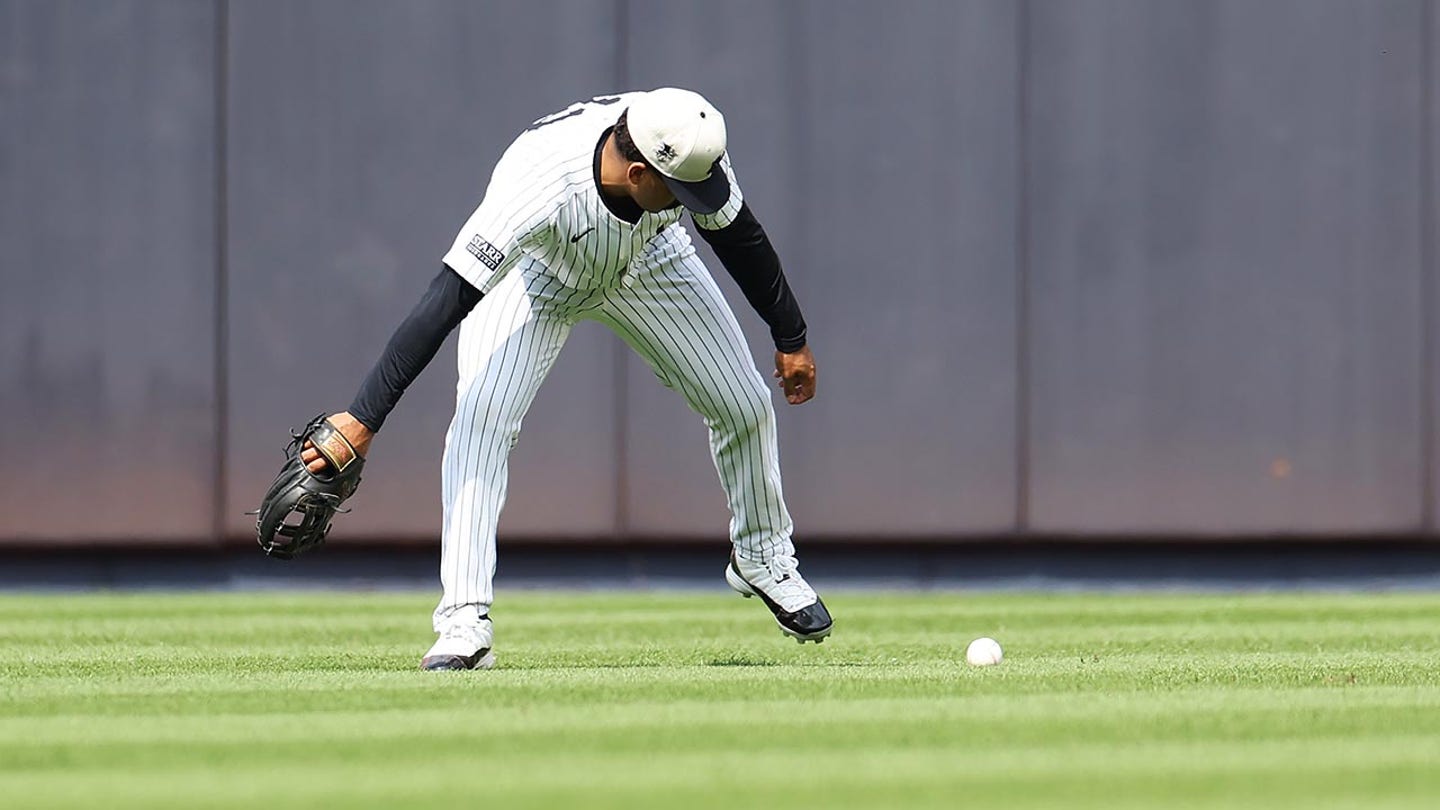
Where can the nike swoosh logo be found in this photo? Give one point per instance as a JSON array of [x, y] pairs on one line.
[[577, 237]]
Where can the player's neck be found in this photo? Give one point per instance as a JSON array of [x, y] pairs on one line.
[[612, 171]]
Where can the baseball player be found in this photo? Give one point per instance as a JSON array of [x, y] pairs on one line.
[[581, 220]]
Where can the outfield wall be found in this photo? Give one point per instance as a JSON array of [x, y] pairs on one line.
[[1070, 266]]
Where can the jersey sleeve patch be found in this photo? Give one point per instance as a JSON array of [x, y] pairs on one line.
[[488, 254]]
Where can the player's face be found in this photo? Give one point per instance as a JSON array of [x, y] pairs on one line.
[[648, 190]]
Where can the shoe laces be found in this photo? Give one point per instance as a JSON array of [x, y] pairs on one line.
[[782, 567], [462, 632], [785, 571]]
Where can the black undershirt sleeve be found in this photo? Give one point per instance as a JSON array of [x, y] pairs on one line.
[[746, 252], [444, 305]]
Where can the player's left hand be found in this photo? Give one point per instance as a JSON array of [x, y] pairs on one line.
[[796, 373], [357, 434]]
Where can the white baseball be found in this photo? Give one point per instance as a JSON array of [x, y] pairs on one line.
[[983, 652]]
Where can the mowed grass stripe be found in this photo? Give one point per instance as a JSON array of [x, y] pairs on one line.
[[274, 689], [580, 608], [223, 631], [1088, 774], [691, 725]]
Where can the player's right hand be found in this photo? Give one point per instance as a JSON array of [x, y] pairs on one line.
[[796, 374], [359, 437]]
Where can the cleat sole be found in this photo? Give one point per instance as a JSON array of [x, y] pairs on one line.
[[486, 661], [818, 638]]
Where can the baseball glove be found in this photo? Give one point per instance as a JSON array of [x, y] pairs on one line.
[[312, 498]]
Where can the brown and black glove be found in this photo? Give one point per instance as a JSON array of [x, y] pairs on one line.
[[295, 514]]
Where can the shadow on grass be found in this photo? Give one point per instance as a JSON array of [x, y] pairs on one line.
[[738, 661], [741, 661]]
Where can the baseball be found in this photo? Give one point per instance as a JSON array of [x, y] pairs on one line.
[[983, 652]]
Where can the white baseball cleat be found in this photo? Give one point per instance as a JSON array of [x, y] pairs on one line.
[[777, 581], [462, 646]]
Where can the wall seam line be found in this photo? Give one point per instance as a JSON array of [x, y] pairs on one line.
[[1427, 266], [1022, 268], [221, 334]]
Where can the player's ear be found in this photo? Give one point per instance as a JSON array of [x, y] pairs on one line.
[[635, 173]]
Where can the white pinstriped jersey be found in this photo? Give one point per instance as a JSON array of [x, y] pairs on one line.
[[541, 235], [542, 206]]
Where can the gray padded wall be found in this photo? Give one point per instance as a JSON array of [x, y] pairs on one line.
[[1225, 265], [876, 144], [107, 197], [361, 137], [1211, 216]]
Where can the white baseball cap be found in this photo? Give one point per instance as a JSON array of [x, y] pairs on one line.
[[683, 137]]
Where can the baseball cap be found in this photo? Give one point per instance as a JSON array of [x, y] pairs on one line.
[[683, 137]]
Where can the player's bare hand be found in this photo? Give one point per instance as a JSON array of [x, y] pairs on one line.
[[796, 373], [359, 437]]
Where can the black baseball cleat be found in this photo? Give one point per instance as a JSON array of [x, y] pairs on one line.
[[466, 646], [797, 608]]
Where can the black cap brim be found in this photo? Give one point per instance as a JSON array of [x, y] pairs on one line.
[[704, 196]]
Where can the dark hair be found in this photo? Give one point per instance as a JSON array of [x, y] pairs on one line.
[[625, 143]]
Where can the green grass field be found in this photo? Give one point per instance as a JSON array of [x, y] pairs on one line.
[[271, 700]]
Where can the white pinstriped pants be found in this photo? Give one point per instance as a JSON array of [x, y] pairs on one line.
[[676, 318]]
